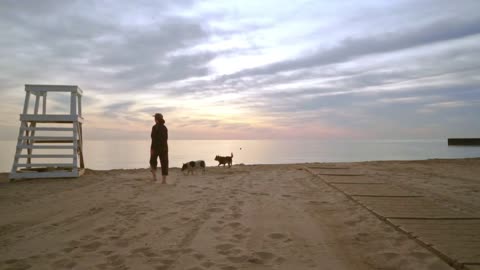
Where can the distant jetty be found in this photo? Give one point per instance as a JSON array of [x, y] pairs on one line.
[[464, 141]]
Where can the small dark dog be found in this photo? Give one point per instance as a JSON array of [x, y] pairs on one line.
[[191, 166], [224, 160]]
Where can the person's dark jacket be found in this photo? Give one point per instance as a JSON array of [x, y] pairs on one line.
[[159, 138]]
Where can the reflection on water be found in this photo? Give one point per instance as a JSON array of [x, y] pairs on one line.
[[134, 154]]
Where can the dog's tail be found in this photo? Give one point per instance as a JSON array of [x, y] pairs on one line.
[[231, 154]]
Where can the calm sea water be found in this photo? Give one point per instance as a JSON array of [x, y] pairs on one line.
[[104, 155]]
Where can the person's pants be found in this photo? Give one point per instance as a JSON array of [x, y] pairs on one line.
[[163, 161]]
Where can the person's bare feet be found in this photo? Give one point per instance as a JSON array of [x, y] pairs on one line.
[[164, 179], [154, 174]]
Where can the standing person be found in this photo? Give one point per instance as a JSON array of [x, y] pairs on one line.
[[159, 148]]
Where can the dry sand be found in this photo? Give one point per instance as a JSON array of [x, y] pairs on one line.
[[245, 217]]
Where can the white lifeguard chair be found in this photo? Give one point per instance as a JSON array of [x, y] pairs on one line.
[[64, 134]]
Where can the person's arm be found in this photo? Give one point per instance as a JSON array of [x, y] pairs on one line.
[[152, 136]]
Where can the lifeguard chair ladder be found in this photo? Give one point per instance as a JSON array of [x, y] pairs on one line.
[[70, 165]]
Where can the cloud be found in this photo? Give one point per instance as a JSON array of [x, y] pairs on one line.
[[114, 108], [351, 48], [87, 41], [368, 70], [401, 100]]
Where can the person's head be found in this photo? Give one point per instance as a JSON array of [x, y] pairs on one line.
[[159, 118]]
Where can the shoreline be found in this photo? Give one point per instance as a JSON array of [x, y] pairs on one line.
[[297, 163], [283, 216]]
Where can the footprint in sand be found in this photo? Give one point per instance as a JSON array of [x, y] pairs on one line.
[[421, 255], [261, 257], [388, 229], [122, 243], [351, 223], [382, 258], [216, 228], [102, 266], [100, 229], [94, 210], [169, 251], [63, 263], [188, 202], [167, 262], [239, 236], [35, 257], [17, 264], [11, 261], [115, 260], [237, 259], [198, 256], [92, 246], [208, 264], [277, 236], [187, 250], [215, 210], [224, 248], [69, 249], [234, 224], [264, 255], [236, 216], [88, 237], [52, 255], [145, 251], [228, 267]]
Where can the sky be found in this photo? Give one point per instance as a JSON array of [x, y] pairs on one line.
[[270, 69]]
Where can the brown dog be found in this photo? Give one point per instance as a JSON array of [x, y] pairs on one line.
[[224, 160]]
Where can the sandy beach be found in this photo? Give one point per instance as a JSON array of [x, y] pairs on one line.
[[367, 215]]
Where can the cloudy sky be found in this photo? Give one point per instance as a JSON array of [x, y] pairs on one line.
[[249, 69]]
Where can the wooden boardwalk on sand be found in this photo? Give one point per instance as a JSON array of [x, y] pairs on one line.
[[452, 235]]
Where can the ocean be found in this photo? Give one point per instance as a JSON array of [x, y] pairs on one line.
[[128, 154]]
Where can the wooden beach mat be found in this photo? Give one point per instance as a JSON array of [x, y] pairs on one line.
[[408, 207], [337, 172], [373, 190], [451, 234], [349, 179], [458, 239], [328, 167]]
